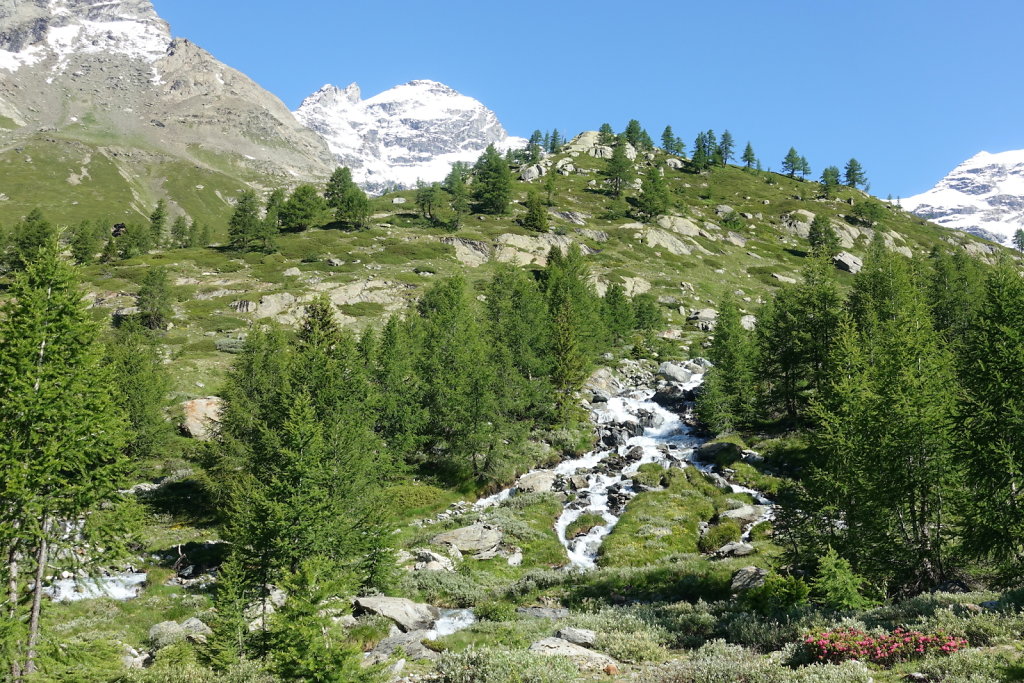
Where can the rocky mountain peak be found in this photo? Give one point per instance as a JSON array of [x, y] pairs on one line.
[[414, 131], [983, 196]]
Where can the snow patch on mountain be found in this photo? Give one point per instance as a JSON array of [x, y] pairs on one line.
[[411, 132], [983, 196]]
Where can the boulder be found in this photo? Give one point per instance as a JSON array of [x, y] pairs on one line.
[[844, 260], [429, 561], [243, 306], [747, 578], [516, 558], [530, 173], [746, 514], [169, 632], [201, 415], [578, 636], [398, 200], [411, 643], [703, 315], [586, 660], [471, 539], [335, 262], [675, 372], [596, 235], [536, 482], [408, 615], [784, 278], [680, 225], [748, 322], [735, 549], [674, 163], [724, 210], [574, 217], [292, 272], [600, 152]]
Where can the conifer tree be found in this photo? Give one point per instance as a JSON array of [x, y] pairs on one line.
[[805, 167], [458, 191], [633, 133], [748, 158], [956, 291], [28, 238], [429, 198], [154, 299], [726, 147], [244, 225], [830, 181], [179, 232], [606, 136], [87, 240], [350, 204], [701, 159], [617, 311], [536, 217], [792, 163], [492, 186], [61, 438], [158, 223], [556, 142], [400, 416], [822, 237], [1018, 239], [668, 140], [727, 398], [550, 184], [653, 199], [854, 174], [619, 170], [303, 209]]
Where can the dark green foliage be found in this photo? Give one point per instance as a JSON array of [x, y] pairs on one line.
[[748, 158], [1018, 239], [429, 200], [792, 163], [654, 198], [550, 185], [836, 586], [634, 133], [158, 223], [245, 223], [956, 291], [350, 204], [777, 595], [870, 212], [29, 236], [179, 233], [853, 174], [705, 150], [619, 170], [154, 299], [303, 209], [726, 147], [536, 217], [671, 143], [618, 313], [726, 400], [400, 415], [142, 383], [458, 191], [647, 315], [830, 181], [61, 439], [86, 240], [606, 136], [492, 185], [822, 237]]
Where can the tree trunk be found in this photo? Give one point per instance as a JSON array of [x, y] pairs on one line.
[[12, 599], [37, 598]]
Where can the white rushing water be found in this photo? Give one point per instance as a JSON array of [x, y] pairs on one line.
[[451, 621], [664, 438], [124, 586]]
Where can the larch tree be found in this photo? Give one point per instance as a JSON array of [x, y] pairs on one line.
[[830, 181], [854, 174], [244, 225], [727, 399], [492, 184], [792, 163], [61, 439], [619, 170], [726, 147], [303, 209], [654, 198], [536, 217], [749, 159]]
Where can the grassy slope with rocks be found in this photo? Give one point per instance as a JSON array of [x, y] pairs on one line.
[[655, 597]]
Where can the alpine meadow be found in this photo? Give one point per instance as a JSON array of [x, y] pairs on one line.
[[377, 391]]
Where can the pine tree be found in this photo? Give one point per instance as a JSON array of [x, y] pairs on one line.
[[458, 191], [429, 198], [60, 451], [606, 136], [179, 233], [701, 154], [536, 217], [28, 238], [956, 291], [550, 184], [836, 586], [87, 240], [668, 140], [400, 416], [748, 158], [617, 311], [854, 174], [725, 147], [536, 138], [1018, 239], [158, 223], [244, 225], [653, 200], [556, 142], [792, 163], [633, 133], [492, 186], [805, 167], [830, 181], [822, 237], [303, 209], [619, 170], [154, 299]]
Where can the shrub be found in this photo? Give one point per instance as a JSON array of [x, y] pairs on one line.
[[718, 662], [777, 594], [836, 586], [844, 644], [490, 665], [719, 535], [967, 666], [496, 611]]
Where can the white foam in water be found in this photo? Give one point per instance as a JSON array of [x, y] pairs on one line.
[[668, 442], [452, 621], [123, 586]]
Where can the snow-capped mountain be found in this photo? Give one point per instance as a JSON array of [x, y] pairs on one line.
[[111, 69], [411, 132], [983, 196]]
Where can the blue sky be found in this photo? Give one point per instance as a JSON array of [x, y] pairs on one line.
[[909, 87]]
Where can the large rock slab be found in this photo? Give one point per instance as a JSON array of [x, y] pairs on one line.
[[201, 417], [747, 514], [408, 615], [659, 239], [411, 643], [680, 225], [536, 482], [578, 636], [675, 372], [471, 539], [844, 260], [586, 660], [747, 578]]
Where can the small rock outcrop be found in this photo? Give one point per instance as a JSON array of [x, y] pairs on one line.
[[201, 416], [585, 659], [471, 539], [536, 482], [747, 578], [407, 615], [844, 260], [578, 636]]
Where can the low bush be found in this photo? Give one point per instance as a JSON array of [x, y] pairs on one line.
[[491, 665], [718, 535], [844, 644], [496, 611], [718, 662]]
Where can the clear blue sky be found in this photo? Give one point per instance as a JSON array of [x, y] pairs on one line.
[[909, 87]]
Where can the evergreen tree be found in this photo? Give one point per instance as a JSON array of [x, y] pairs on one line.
[[28, 238], [61, 436], [429, 199], [646, 143], [727, 398], [536, 138], [822, 237], [725, 147], [805, 168], [455, 185], [179, 233], [792, 163], [550, 184], [556, 142], [141, 383], [956, 291], [854, 174], [158, 223], [137, 240], [303, 209], [619, 170], [830, 181], [633, 133], [536, 217], [870, 212], [1018, 239], [606, 136], [647, 316], [654, 198], [492, 186], [400, 416], [200, 234], [748, 158], [668, 140], [701, 159], [836, 586], [87, 240], [617, 310], [244, 225], [154, 299], [350, 204]]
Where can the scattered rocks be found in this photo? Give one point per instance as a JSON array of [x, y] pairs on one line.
[[735, 549], [410, 643], [292, 272], [531, 173], [675, 372], [170, 632], [746, 514], [408, 615], [429, 561]]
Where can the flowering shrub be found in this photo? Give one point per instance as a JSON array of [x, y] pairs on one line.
[[899, 646]]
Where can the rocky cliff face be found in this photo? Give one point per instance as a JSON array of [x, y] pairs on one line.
[[110, 70], [983, 196], [411, 132]]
